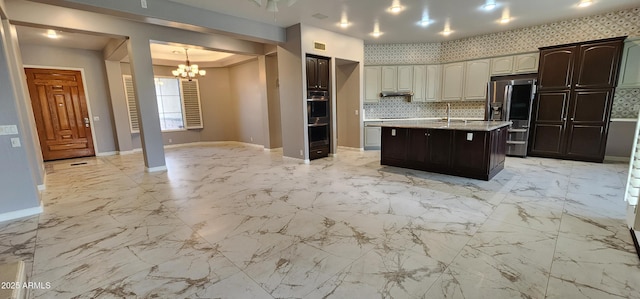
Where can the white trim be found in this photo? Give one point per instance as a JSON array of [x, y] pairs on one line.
[[86, 96], [21, 213], [103, 154], [275, 149], [155, 169], [133, 151], [624, 120]]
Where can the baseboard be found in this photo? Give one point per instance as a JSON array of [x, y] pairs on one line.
[[616, 159], [634, 236], [21, 213], [275, 149], [104, 154], [155, 169], [133, 151], [353, 149]]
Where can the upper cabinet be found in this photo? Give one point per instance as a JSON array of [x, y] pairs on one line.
[[434, 78], [317, 72], [525, 63], [405, 78], [476, 79], [452, 81], [389, 78], [419, 83], [598, 65], [515, 64], [502, 65], [556, 68], [630, 66], [372, 82]]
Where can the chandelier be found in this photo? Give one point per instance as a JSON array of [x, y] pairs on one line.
[[188, 70]]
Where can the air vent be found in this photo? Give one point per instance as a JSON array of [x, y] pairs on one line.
[[320, 46], [319, 16]]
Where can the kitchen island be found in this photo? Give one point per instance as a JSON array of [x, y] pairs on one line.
[[473, 149]]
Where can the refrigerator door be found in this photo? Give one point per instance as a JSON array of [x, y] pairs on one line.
[[496, 100]]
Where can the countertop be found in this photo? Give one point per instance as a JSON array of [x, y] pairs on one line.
[[417, 118], [471, 125]]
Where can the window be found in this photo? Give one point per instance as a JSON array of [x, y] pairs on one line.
[[169, 103], [178, 104]]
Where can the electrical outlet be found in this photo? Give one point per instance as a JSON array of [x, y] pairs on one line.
[[170, 140], [15, 142], [143, 3], [251, 139], [301, 153]]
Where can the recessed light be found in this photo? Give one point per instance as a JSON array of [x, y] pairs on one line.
[[585, 3], [395, 9], [505, 20], [425, 22], [376, 34], [489, 5], [319, 16], [344, 24], [52, 34], [446, 32]]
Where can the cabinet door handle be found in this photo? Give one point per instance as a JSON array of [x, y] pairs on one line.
[[572, 118], [564, 119]]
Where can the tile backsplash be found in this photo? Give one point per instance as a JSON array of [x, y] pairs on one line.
[[400, 108], [529, 39]]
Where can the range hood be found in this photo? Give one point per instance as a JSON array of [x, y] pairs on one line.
[[387, 94]]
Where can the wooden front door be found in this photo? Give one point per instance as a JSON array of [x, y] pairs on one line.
[[61, 114]]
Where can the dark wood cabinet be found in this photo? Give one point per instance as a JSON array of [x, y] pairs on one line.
[[394, 145], [317, 73], [474, 154], [571, 111]]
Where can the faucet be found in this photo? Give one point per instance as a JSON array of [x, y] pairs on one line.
[[448, 112]]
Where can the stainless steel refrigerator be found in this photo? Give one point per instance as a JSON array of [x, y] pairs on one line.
[[510, 98]]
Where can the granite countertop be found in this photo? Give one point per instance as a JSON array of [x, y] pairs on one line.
[[417, 118], [463, 125]]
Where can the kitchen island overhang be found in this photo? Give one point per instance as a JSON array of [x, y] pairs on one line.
[[473, 149]]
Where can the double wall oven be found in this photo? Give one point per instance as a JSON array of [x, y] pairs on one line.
[[318, 111]]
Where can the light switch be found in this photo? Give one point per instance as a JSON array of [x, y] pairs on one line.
[[15, 142], [96, 118], [393, 132], [469, 136], [356, 111], [9, 130]]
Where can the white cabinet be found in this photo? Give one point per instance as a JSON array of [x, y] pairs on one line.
[[502, 65], [515, 64], [630, 64], [434, 78], [389, 78], [476, 79], [419, 83], [452, 81], [405, 78], [372, 137], [526, 63], [372, 79]]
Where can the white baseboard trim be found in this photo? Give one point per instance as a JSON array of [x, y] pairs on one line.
[[275, 149], [155, 169], [104, 154], [21, 213], [133, 151]]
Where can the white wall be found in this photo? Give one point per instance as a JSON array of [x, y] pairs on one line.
[[245, 91]]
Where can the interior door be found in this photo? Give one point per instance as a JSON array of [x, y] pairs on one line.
[[61, 114]]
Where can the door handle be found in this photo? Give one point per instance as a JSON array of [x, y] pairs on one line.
[[572, 118], [564, 119], [86, 122]]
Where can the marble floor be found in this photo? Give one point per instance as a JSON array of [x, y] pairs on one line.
[[232, 221]]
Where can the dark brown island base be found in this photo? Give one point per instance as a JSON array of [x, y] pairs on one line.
[[473, 149]]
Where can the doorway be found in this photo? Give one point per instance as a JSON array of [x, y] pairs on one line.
[[347, 104], [60, 110]]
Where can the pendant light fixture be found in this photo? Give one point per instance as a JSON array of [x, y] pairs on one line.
[[188, 70]]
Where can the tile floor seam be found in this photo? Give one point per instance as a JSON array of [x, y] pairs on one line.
[[555, 247]]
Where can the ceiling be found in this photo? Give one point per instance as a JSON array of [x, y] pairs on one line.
[[162, 54], [466, 18]]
